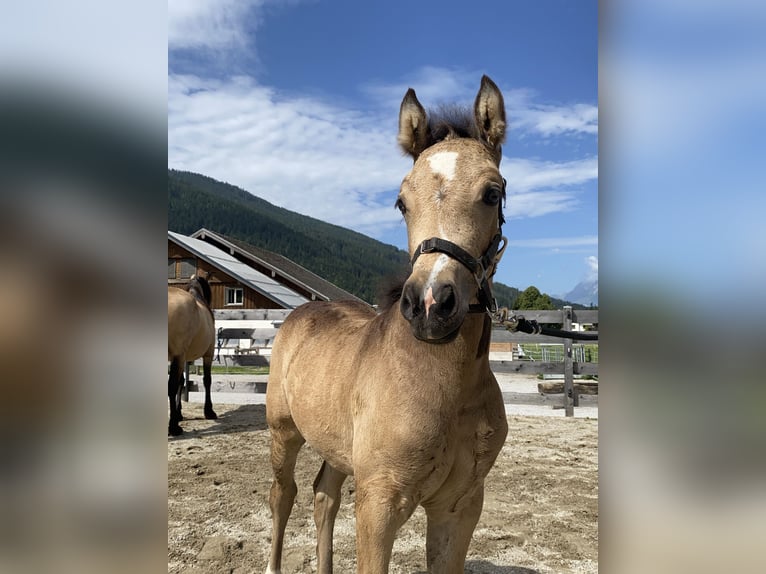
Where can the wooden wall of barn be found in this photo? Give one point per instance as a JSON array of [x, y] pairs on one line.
[[219, 281]]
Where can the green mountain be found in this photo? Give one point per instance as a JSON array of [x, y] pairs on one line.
[[350, 260]]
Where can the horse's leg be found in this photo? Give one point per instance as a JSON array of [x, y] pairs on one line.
[[381, 510], [181, 384], [449, 532], [176, 368], [286, 441], [327, 487], [207, 380]]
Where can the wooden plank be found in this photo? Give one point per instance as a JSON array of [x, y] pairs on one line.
[[251, 314], [585, 368], [526, 367], [552, 400], [255, 334], [585, 316], [235, 333], [504, 336], [582, 387], [542, 367]]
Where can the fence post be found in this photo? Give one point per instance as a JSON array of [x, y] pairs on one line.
[[568, 367]]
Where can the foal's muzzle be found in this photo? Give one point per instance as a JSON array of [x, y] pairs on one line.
[[436, 313], [435, 316]]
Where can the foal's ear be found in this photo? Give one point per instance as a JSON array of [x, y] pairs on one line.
[[489, 110], [413, 125]]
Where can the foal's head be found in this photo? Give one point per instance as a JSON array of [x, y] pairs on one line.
[[452, 203]]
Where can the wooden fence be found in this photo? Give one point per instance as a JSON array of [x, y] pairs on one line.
[[568, 367], [250, 333]]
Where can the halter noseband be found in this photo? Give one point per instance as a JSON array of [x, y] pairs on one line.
[[482, 268]]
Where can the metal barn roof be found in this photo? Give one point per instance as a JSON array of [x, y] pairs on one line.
[[257, 281], [320, 287]]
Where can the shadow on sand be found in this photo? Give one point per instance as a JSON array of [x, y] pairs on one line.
[[243, 418]]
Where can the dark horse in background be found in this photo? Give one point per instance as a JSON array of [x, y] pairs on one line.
[[191, 335]]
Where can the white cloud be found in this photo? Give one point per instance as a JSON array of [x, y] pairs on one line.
[[558, 243], [539, 203], [524, 175], [435, 85], [549, 120], [537, 188], [332, 162], [592, 273], [212, 24]]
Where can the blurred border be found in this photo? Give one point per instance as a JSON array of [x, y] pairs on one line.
[[683, 269], [83, 218]]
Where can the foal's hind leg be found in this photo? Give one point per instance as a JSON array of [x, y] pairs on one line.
[[327, 487], [286, 441], [207, 380]]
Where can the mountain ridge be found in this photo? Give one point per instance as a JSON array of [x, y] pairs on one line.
[[349, 259]]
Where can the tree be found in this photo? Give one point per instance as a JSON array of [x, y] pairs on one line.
[[531, 298]]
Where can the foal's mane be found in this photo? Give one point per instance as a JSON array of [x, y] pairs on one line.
[[451, 121], [390, 290]]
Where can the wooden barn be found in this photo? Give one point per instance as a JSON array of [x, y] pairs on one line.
[[278, 267], [234, 284], [244, 276]]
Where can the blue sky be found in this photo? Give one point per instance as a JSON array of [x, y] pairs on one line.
[[297, 102]]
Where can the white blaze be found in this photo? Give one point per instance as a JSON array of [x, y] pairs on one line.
[[440, 264], [444, 163]]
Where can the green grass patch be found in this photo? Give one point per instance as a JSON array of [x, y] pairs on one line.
[[555, 353], [238, 370]]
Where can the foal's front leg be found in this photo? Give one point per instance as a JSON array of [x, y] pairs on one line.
[[449, 532], [381, 509]]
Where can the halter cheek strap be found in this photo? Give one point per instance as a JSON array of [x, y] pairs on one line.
[[482, 268]]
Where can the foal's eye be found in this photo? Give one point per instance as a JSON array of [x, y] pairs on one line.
[[492, 195], [400, 206]]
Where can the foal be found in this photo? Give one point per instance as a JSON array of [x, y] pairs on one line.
[[404, 400]]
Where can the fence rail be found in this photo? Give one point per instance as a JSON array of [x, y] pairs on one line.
[[257, 328]]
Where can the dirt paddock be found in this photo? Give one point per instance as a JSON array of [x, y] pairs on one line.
[[540, 511]]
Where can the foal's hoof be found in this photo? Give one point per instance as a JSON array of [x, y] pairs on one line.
[[175, 430], [210, 414]]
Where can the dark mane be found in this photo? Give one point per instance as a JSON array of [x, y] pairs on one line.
[[390, 291], [200, 289], [451, 121]]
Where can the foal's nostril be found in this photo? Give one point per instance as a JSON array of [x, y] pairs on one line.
[[409, 302], [445, 300]]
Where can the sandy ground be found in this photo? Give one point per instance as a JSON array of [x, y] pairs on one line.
[[540, 512]]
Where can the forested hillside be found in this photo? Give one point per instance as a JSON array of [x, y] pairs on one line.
[[350, 260]]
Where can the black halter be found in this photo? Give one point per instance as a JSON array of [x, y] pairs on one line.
[[482, 268]]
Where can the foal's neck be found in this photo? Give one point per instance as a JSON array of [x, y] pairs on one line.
[[464, 358]]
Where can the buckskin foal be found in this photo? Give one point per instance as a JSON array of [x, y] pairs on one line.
[[404, 400]]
